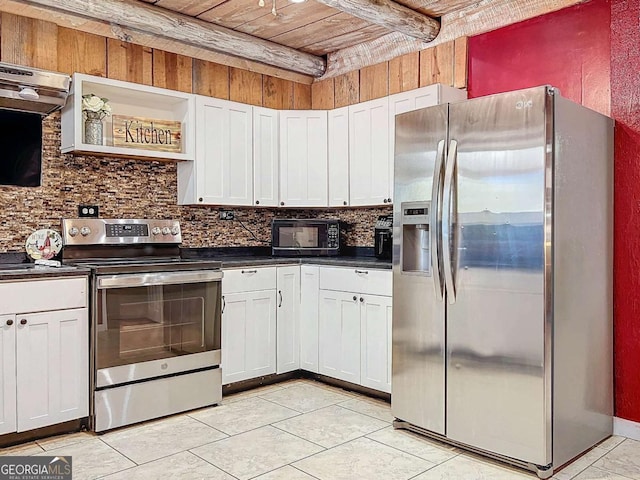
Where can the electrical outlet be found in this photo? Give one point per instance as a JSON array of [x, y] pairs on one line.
[[226, 215], [88, 211]]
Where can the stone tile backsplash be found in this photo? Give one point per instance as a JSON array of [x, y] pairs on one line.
[[125, 188]]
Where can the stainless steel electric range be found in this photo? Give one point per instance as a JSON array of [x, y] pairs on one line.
[[155, 320]]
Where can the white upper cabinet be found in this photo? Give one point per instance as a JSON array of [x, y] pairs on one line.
[[303, 158], [338, 120], [258, 156], [265, 157], [369, 160], [150, 112], [222, 173]]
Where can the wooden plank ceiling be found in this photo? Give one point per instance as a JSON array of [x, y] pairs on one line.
[[309, 26], [315, 39]]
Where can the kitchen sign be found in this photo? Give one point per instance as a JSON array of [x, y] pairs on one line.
[[147, 133]]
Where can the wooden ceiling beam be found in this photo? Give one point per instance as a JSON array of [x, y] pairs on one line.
[[128, 35], [167, 24], [391, 15], [477, 18]]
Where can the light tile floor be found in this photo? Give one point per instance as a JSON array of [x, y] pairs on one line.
[[298, 430]]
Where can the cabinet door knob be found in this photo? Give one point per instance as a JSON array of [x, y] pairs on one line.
[[385, 200], [389, 200], [281, 203], [201, 199], [9, 322], [355, 298], [257, 202], [361, 300], [344, 203], [23, 321]]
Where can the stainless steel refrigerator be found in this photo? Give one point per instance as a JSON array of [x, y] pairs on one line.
[[502, 276]]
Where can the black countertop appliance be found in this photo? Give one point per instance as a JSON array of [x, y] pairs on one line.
[[383, 236]]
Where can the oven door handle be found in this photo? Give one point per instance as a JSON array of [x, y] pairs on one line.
[[159, 278]]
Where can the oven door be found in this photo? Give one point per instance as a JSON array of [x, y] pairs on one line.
[[149, 325]]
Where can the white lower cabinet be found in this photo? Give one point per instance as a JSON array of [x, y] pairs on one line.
[[248, 323], [248, 335], [288, 314], [260, 322], [44, 356], [339, 335], [52, 367], [8, 413], [334, 321], [309, 304], [375, 342], [355, 326]]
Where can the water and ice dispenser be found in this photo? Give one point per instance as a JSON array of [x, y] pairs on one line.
[[416, 239]]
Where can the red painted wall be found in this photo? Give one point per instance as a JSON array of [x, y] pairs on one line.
[[625, 108], [592, 53], [569, 49]]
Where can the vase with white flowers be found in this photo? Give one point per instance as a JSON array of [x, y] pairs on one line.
[[94, 109]]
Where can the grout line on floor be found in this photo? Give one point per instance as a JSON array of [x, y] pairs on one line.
[[214, 428], [306, 473], [301, 438], [439, 464], [119, 452], [589, 465], [213, 464], [280, 405], [364, 435], [433, 464], [365, 414], [605, 471]]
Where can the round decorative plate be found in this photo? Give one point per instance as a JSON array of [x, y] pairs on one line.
[[43, 244]]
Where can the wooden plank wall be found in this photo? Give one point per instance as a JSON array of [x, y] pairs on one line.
[[41, 44], [445, 63]]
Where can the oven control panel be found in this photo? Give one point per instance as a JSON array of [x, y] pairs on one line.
[[102, 231]]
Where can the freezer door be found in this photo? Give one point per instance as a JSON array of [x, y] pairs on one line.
[[418, 376], [498, 386]]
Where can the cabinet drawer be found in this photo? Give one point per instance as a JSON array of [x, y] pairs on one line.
[[248, 279], [359, 280], [42, 295]]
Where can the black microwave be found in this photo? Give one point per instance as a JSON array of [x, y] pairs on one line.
[[301, 237]]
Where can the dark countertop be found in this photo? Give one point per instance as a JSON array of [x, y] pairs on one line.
[[15, 266], [231, 257], [342, 261], [30, 271]]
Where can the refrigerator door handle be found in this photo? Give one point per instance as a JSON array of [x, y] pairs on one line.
[[447, 256], [436, 219]]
